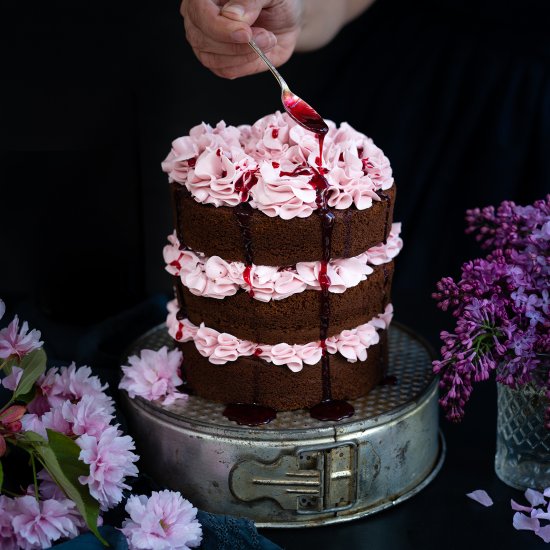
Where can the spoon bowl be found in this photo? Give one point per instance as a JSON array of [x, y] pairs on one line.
[[303, 113]]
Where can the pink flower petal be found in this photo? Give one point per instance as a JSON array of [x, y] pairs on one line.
[[481, 496], [11, 381], [520, 507], [544, 533], [540, 514], [534, 497], [546, 492], [522, 522]]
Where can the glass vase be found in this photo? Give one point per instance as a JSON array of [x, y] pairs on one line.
[[522, 457]]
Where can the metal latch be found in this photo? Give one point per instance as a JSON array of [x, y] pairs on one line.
[[313, 480]]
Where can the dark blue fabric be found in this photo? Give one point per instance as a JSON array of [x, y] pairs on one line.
[[219, 533], [116, 540]]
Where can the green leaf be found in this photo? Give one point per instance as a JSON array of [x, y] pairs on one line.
[[33, 365], [27, 397], [59, 455], [1, 476]]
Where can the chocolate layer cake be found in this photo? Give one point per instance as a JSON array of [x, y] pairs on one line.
[[282, 258]]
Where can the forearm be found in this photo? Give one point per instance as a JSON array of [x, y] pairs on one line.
[[323, 19]]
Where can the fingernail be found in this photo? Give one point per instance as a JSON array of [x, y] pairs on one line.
[[240, 36], [234, 9], [265, 40]]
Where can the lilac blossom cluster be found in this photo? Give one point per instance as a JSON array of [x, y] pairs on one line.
[[70, 403], [501, 304]]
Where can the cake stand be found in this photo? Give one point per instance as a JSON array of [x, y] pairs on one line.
[[297, 471]]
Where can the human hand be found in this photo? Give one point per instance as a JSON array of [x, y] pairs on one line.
[[219, 31]]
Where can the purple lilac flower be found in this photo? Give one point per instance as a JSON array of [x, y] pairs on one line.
[[501, 303]]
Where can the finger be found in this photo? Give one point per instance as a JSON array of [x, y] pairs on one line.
[[205, 43], [215, 61], [245, 69], [277, 56], [207, 17], [246, 11]]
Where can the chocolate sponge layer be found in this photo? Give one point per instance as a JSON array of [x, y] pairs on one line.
[[252, 380], [277, 242], [294, 320]]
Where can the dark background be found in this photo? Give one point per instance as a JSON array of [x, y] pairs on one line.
[[456, 93]]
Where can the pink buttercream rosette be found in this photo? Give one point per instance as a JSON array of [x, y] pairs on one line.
[[221, 347], [211, 161], [213, 277]]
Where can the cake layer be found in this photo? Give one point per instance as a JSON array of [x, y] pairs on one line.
[[215, 231], [221, 347], [252, 380], [213, 277], [296, 318]]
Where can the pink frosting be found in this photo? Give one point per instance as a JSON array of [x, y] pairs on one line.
[[211, 161], [220, 347], [213, 277]]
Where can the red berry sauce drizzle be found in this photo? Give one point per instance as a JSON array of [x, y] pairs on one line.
[[244, 213], [328, 408], [247, 414], [306, 116]]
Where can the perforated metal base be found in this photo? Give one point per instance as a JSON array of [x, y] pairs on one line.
[[382, 455]]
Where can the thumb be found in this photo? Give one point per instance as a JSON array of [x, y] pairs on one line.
[[246, 11]]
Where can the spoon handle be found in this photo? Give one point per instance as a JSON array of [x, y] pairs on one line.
[[270, 66]]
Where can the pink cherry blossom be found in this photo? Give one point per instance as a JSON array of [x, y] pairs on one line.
[[111, 460], [153, 375], [164, 521], [52, 420], [39, 523], [87, 416], [15, 341], [72, 383], [8, 539]]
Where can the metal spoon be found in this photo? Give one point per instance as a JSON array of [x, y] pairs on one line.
[[297, 108]]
